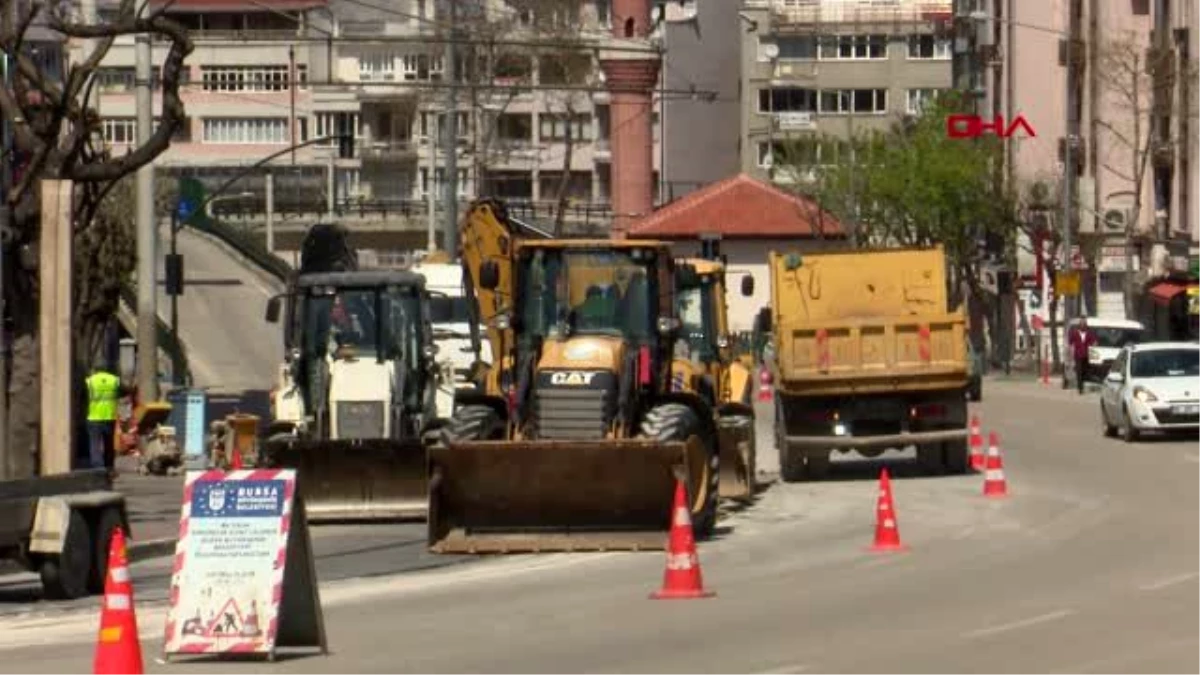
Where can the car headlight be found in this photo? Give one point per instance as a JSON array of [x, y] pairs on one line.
[[1144, 395]]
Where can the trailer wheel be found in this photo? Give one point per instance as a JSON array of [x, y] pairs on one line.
[[108, 522], [65, 575], [929, 456], [817, 466], [675, 423]]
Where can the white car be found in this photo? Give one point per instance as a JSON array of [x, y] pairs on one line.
[[1152, 387]]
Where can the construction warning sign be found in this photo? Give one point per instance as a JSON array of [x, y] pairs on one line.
[[243, 550]]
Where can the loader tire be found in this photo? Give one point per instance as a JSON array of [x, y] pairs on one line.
[[676, 422], [473, 423]]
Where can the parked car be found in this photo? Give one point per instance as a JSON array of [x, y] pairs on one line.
[[974, 373], [1111, 336], [1152, 387]]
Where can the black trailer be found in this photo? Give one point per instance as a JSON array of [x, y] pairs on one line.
[[61, 526]]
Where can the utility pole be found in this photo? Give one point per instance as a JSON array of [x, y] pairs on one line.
[[450, 136], [430, 193], [1070, 52], [147, 234]]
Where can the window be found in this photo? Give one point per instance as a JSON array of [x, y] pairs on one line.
[[377, 66], [432, 121], [769, 154], [439, 182], [243, 130], [329, 124], [919, 98], [514, 127], [928, 47], [512, 67], [835, 101], [797, 47], [603, 13], [119, 130], [554, 127], [1165, 363], [250, 78], [110, 80], [565, 68], [840, 47], [787, 99], [421, 67]]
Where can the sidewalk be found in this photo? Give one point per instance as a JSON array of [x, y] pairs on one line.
[[153, 504]]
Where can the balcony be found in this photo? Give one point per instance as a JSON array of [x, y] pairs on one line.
[[389, 152]]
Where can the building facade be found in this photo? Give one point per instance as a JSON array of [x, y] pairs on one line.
[[834, 68], [267, 74]]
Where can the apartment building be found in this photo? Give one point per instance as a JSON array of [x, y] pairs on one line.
[[1147, 47], [265, 73], [834, 68]]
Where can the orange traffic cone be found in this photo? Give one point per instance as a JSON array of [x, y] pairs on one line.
[[994, 483], [764, 384], [118, 649], [976, 445], [683, 579], [887, 534]]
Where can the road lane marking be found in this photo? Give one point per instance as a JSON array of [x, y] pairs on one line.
[[1169, 581], [784, 669], [1021, 623]]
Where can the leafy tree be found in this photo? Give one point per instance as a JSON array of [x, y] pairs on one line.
[[56, 136], [912, 185]]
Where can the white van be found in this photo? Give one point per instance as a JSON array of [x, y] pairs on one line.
[[1112, 335], [451, 319]]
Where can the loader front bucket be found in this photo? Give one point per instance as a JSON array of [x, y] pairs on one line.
[[355, 480], [534, 496], [738, 468]]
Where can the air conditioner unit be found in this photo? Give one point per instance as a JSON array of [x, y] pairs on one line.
[[1115, 220]]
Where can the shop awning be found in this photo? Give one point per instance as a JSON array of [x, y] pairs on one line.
[[1164, 291]]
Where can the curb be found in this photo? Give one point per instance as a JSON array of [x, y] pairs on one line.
[[151, 548]]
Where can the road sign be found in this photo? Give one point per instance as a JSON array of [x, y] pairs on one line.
[[1067, 284], [184, 209], [243, 556]]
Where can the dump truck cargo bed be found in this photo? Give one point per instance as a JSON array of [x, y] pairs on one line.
[[355, 480], [533, 496], [868, 357]]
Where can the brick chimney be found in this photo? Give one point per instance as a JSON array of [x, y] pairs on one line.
[[630, 78]]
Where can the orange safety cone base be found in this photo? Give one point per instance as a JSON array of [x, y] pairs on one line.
[[681, 594], [888, 548], [992, 491]]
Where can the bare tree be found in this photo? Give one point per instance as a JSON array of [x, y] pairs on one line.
[[1136, 83], [56, 135]]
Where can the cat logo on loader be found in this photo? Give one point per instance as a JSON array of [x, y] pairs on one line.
[[575, 378]]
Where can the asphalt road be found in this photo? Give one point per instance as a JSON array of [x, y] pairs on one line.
[[231, 348], [342, 552], [1090, 565]]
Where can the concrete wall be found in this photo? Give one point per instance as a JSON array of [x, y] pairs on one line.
[[702, 53], [749, 256]]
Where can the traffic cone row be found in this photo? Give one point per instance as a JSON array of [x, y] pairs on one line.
[[118, 649]]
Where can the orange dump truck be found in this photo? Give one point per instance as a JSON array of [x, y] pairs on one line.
[[868, 357]]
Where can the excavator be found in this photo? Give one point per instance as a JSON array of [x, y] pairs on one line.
[[574, 439], [704, 364], [355, 404]]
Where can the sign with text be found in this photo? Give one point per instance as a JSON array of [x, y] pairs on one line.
[[244, 579], [1067, 284], [974, 126]]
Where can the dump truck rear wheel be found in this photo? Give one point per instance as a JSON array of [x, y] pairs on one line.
[[473, 423], [956, 456], [675, 422], [817, 467], [108, 521]]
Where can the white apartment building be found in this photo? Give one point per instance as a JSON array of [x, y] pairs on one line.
[[265, 72]]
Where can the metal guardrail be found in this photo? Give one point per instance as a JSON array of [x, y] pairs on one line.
[[166, 339], [587, 213]]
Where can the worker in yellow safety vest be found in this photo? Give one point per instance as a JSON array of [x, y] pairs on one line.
[[104, 392]]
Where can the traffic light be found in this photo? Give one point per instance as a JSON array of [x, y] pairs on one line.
[[345, 131]]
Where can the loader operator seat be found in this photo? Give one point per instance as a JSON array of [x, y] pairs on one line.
[[598, 310]]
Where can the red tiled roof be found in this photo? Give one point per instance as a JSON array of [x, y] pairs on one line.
[[740, 207]]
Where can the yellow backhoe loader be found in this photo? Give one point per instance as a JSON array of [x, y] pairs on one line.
[[575, 439], [704, 364]]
